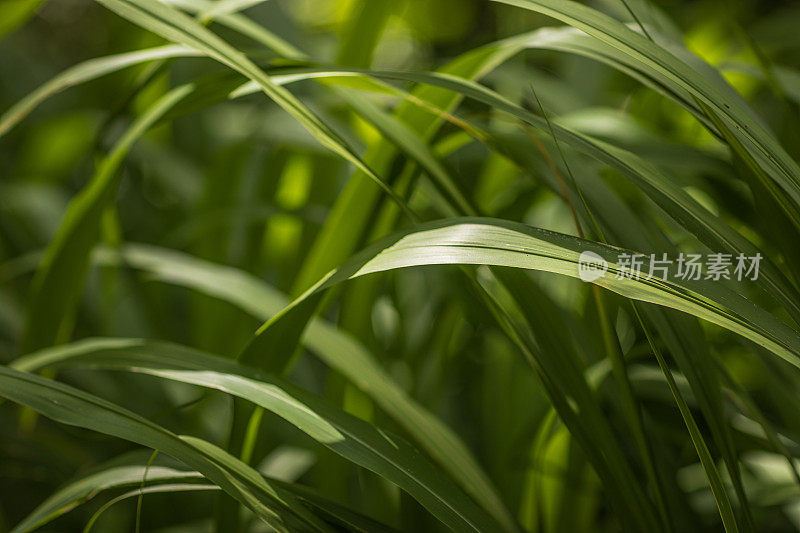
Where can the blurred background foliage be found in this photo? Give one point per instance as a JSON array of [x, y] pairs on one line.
[[240, 183]]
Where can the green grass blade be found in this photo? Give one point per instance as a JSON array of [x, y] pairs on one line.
[[337, 349], [58, 281], [345, 227], [346, 435], [83, 72], [171, 488], [71, 406], [89, 486], [502, 243], [662, 63], [714, 478], [179, 28], [243, 25]]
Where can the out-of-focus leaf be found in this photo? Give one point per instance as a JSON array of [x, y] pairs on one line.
[[58, 281], [83, 72], [15, 13]]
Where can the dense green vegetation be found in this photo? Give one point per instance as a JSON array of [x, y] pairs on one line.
[[312, 265]]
